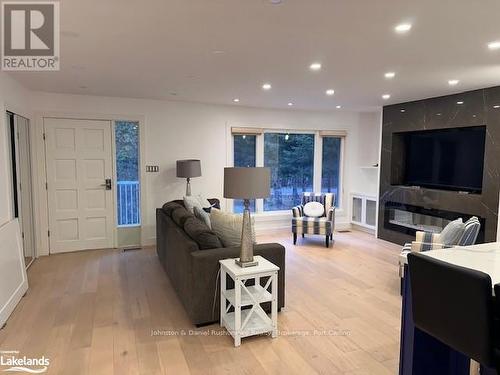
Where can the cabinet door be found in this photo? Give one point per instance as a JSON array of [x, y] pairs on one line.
[[357, 209], [371, 212]]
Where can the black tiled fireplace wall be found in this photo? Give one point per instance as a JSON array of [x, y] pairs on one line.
[[478, 109]]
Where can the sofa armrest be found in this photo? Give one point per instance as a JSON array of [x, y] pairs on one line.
[[417, 246], [205, 280], [297, 211], [427, 237]]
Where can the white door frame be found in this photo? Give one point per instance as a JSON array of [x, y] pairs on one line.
[[41, 172]]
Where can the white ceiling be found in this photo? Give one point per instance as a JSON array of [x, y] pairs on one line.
[[215, 50]]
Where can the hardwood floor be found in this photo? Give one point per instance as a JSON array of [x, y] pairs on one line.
[[93, 313]]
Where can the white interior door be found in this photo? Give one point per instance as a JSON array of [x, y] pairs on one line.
[[79, 160]]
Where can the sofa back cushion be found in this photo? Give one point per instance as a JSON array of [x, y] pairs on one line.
[[228, 227], [201, 234], [169, 207], [180, 215], [452, 233]]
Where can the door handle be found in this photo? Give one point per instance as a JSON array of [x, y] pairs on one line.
[[107, 184]]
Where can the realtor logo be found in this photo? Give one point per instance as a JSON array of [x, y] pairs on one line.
[[30, 35]]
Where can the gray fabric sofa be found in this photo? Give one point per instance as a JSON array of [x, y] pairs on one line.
[[194, 272]]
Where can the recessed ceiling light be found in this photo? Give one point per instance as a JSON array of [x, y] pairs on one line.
[[218, 52], [290, 104], [338, 106], [494, 45], [330, 92], [386, 96], [496, 106], [453, 82], [275, 2], [460, 102], [389, 75], [403, 28], [403, 110], [315, 66], [266, 86], [236, 100]]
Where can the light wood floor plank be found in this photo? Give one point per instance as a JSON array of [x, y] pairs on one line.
[[93, 312]]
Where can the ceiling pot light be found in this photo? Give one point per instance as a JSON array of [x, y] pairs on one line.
[[236, 100], [460, 102], [338, 106], [290, 104], [403, 110], [386, 96], [275, 2], [315, 66], [389, 75], [496, 106], [266, 86], [330, 92], [494, 45], [403, 28], [453, 82]]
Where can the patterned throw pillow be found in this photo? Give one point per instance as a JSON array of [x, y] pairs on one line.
[[192, 201], [452, 232]]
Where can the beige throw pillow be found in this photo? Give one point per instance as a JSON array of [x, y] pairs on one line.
[[228, 227]]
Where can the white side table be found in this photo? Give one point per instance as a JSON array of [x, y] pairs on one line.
[[254, 320]]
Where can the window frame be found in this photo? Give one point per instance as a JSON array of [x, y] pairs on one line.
[[317, 165]]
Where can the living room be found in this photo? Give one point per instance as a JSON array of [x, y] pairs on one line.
[[130, 158]]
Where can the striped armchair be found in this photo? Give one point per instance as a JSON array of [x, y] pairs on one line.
[[324, 225], [425, 241]]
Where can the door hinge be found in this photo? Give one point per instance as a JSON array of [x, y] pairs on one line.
[[46, 186], [44, 136], [22, 235], [48, 233]]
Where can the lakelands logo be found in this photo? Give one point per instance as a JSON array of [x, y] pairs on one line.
[[15, 363], [30, 35]]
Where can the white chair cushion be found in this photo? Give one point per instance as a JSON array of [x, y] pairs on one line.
[[314, 209]]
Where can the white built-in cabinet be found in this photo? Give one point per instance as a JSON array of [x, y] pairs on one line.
[[364, 210]]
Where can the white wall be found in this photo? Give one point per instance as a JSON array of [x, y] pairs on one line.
[[15, 98], [365, 180], [177, 130]]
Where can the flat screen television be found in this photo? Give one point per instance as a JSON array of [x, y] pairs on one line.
[[447, 159]]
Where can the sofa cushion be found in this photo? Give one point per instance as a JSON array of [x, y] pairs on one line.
[[201, 234], [169, 207], [228, 227], [180, 215], [452, 232], [314, 209], [203, 215]]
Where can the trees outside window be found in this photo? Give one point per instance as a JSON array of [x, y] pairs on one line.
[[291, 159], [244, 156]]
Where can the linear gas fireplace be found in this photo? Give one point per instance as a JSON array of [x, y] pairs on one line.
[[409, 219]]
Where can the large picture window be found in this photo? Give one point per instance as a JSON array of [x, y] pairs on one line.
[[299, 162], [330, 166], [244, 156], [291, 159]]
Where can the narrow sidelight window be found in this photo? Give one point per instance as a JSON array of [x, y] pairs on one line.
[[127, 173]]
